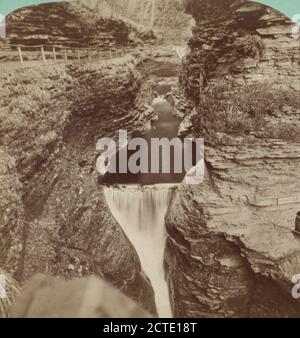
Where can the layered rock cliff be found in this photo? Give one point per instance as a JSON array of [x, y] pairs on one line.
[[54, 218], [251, 43], [230, 249], [64, 24]]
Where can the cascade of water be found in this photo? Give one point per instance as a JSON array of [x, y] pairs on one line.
[[141, 212]]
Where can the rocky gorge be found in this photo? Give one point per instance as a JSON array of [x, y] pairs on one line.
[[230, 249], [51, 209]]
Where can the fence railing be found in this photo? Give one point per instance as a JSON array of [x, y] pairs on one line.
[[19, 56], [28, 56]]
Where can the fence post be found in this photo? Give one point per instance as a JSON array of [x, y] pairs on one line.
[[110, 54], [66, 56], [43, 55], [89, 56], [100, 53], [54, 54], [78, 55], [20, 56]]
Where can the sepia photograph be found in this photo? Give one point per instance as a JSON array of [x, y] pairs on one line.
[[149, 161]]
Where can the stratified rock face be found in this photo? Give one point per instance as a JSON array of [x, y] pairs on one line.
[[58, 221], [64, 24], [249, 43], [230, 249]]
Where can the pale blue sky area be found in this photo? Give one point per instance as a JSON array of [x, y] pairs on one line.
[[288, 7], [7, 6]]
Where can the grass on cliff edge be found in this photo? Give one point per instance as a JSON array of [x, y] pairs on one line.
[[38, 101], [239, 111]]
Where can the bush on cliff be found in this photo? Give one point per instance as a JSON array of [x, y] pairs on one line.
[[242, 110]]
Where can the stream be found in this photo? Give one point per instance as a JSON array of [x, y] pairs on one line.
[[139, 203]]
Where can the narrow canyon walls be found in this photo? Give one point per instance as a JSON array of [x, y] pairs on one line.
[[230, 250], [56, 220]]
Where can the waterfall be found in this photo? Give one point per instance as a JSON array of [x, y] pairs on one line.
[[141, 210]]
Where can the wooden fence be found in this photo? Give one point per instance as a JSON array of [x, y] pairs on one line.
[[16, 56]]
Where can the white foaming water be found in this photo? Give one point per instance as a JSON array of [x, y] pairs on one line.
[[141, 213]]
